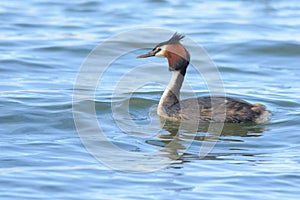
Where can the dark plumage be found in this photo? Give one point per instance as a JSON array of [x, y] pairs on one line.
[[203, 109]]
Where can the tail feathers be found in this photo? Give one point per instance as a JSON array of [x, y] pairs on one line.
[[263, 115]]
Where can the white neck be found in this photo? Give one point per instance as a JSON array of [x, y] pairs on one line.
[[171, 95]]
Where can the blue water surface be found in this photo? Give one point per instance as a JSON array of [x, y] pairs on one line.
[[254, 44]]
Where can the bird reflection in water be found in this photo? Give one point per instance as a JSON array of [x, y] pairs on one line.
[[178, 139]]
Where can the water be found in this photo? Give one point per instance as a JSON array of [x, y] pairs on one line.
[[256, 46]]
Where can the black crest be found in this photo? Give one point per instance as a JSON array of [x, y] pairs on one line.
[[173, 40]]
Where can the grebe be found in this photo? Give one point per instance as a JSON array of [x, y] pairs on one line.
[[202, 109]]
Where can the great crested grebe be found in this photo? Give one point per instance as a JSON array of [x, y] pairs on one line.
[[202, 109]]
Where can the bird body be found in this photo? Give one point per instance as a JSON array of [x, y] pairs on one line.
[[201, 109]]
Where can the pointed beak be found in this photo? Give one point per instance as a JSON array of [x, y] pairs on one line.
[[149, 54]]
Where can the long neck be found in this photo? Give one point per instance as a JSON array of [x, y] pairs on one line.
[[169, 102]]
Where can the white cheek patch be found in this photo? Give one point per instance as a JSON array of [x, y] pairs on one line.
[[161, 53]]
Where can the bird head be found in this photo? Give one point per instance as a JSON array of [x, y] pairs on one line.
[[178, 57]]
